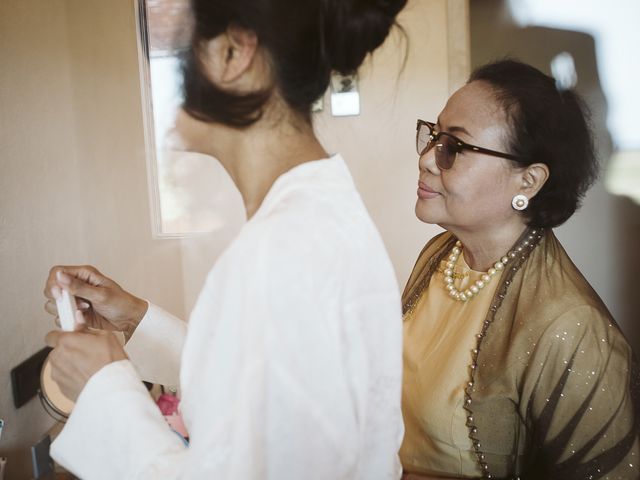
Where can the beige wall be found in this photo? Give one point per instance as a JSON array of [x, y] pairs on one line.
[[73, 179]]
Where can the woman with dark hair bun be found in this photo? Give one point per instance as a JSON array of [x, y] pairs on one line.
[[513, 367], [290, 367]]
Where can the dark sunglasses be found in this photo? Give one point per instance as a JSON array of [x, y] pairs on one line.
[[447, 146]]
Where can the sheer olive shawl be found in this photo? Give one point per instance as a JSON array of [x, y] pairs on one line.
[[553, 386]]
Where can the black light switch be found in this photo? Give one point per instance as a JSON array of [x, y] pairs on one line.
[[25, 378]]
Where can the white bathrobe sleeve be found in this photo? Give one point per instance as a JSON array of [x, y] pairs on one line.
[[117, 431], [156, 345]]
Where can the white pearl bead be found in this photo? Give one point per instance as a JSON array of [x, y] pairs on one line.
[[448, 280], [463, 297], [480, 284], [456, 251], [492, 271], [450, 287], [448, 272], [485, 278], [504, 259], [450, 265], [453, 293], [468, 293], [474, 289]]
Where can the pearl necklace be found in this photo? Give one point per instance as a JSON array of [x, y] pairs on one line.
[[474, 289]]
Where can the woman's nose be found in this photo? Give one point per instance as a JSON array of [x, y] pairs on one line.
[[427, 162]]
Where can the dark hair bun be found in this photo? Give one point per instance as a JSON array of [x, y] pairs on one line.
[[306, 40], [354, 28]]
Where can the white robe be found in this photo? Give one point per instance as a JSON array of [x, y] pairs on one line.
[[290, 367]]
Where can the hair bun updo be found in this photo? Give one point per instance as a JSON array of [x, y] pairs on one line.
[[305, 40], [354, 28]]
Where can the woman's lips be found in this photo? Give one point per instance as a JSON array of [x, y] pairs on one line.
[[425, 193]]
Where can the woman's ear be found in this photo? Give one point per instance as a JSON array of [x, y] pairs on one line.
[[241, 50], [229, 55], [534, 176]]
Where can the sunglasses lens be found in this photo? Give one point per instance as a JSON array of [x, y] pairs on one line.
[[423, 137], [446, 151]]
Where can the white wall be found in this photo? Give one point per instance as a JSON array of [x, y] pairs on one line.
[[72, 178]]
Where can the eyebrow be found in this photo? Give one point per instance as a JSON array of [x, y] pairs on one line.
[[456, 129]]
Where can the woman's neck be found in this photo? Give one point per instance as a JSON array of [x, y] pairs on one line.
[[255, 157], [483, 248]]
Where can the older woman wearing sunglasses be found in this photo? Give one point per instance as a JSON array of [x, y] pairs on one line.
[[514, 368]]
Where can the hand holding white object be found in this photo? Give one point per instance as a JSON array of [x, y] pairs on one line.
[[106, 305]]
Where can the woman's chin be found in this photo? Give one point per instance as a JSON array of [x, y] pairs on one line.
[[425, 214]]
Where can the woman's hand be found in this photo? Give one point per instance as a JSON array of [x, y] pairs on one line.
[[77, 356], [105, 304]]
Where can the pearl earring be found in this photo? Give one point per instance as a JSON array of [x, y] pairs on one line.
[[520, 202]]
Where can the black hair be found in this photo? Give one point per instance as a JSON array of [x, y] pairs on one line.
[[306, 40], [547, 125]]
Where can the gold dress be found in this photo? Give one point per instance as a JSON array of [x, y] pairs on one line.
[[439, 336], [554, 389]]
